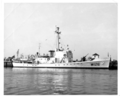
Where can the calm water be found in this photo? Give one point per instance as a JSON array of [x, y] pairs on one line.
[[29, 81]]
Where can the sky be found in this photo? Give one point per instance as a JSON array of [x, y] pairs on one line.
[[87, 28]]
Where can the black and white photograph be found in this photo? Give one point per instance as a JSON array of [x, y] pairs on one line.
[[60, 48]]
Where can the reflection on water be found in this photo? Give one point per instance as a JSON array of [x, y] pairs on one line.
[[25, 81]]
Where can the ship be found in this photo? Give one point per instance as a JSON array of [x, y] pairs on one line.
[[62, 58]]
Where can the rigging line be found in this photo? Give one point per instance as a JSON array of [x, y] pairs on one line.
[[19, 25]]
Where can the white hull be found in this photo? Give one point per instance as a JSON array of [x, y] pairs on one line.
[[86, 64]]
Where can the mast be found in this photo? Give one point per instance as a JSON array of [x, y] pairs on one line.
[[58, 37]]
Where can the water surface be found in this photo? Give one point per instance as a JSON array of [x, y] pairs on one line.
[[48, 81]]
